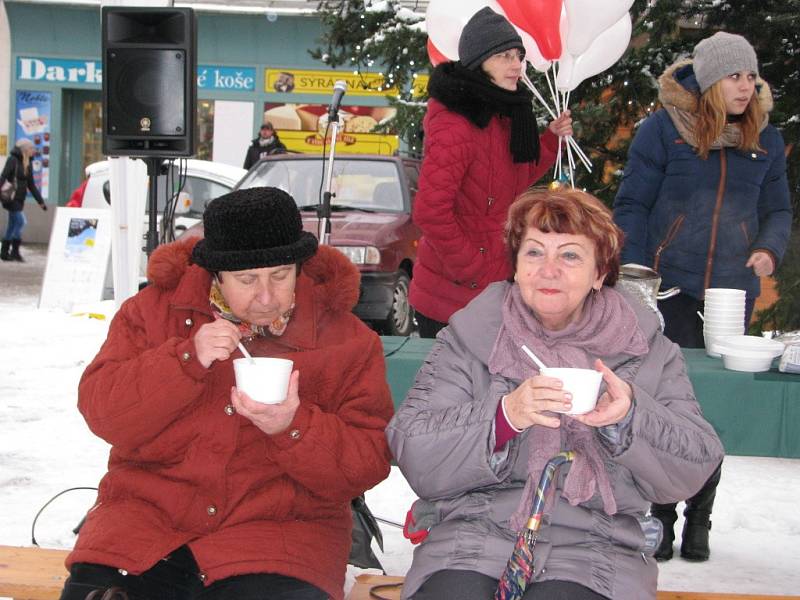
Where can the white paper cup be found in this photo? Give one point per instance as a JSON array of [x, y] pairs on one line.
[[264, 379], [583, 384]]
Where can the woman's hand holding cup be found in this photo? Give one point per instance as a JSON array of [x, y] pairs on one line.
[[527, 405], [613, 404], [272, 419]]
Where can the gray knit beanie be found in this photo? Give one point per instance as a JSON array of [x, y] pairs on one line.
[[485, 34], [720, 55]]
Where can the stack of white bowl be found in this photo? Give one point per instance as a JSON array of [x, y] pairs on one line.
[[723, 315]]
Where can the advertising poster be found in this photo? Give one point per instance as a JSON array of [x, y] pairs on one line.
[[77, 258], [303, 81], [33, 122], [301, 128]]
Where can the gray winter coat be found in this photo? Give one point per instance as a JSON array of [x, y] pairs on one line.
[[443, 439]]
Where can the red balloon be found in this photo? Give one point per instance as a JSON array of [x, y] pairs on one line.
[[540, 19], [434, 54]]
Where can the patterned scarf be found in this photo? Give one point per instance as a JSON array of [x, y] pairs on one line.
[[607, 328], [221, 310]]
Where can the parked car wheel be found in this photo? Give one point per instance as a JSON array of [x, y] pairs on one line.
[[401, 316]]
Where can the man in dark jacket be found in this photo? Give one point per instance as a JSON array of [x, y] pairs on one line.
[[265, 144]]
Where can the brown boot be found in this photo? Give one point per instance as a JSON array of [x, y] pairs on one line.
[[4, 250], [15, 255]]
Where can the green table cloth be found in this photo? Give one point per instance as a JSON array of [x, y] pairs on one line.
[[755, 414]]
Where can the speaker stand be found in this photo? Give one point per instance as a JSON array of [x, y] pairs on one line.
[[324, 210], [153, 168]]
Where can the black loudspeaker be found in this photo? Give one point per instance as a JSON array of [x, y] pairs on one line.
[[149, 81]]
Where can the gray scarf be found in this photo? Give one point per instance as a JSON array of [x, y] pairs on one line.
[[607, 327]]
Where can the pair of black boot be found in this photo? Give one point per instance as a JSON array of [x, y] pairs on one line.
[[10, 250], [697, 524]]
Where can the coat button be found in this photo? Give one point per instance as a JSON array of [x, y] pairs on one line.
[[189, 322], [211, 510], [473, 285], [202, 575], [230, 410], [186, 356], [294, 434], [482, 250], [753, 155]]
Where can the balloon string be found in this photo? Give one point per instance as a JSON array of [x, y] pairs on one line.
[[538, 95]]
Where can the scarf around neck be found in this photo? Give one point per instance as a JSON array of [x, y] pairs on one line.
[[471, 94], [221, 310], [686, 123], [607, 327]]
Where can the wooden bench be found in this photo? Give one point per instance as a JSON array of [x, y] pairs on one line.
[[364, 583], [32, 573]]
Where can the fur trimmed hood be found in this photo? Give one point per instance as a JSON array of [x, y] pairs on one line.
[[336, 280], [678, 87]]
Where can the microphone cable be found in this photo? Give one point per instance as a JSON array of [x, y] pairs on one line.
[[46, 504]]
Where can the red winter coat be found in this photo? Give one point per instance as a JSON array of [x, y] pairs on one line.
[[186, 469], [467, 183]]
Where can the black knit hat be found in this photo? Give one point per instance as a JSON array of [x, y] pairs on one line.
[[250, 229], [485, 34]]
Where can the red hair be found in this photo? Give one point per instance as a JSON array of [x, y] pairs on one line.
[[567, 211]]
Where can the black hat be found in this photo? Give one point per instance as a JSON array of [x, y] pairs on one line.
[[485, 34], [250, 229]]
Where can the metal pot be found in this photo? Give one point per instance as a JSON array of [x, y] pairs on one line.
[[644, 283]]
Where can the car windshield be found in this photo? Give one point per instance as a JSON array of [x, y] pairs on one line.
[[370, 185]]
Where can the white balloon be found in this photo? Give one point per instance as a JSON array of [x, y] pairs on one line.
[[532, 53], [588, 18], [606, 49], [445, 19]]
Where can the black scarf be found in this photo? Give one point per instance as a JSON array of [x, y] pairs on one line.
[[472, 95]]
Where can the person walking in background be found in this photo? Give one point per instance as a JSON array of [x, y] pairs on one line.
[[482, 149], [266, 144], [18, 172], [704, 200]]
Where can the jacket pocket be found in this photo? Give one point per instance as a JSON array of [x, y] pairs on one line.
[[671, 233]]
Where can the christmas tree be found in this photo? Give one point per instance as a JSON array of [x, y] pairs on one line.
[[381, 36]]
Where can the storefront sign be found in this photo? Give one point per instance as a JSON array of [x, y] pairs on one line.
[[301, 127], [297, 81], [237, 79], [59, 70], [33, 123]]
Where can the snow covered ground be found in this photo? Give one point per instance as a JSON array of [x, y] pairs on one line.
[[45, 447]]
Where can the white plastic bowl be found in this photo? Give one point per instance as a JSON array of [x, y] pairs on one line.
[[747, 352]]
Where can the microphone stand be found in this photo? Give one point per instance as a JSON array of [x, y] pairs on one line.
[[324, 211], [153, 167]]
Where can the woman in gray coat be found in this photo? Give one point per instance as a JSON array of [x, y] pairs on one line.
[[480, 422]]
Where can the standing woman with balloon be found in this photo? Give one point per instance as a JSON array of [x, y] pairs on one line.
[[705, 201], [482, 149]]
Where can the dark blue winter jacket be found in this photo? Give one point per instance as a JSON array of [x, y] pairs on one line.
[[688, 217]]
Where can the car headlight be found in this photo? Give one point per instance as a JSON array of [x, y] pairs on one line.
[[361, 255]]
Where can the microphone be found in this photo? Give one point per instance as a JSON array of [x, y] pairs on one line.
[[339, 88]]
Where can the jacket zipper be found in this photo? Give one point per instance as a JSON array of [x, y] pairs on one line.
[[671, 233], [712, 243], [743, 226]]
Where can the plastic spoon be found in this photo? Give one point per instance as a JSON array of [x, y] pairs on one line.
[[533, 357], [245, 352]]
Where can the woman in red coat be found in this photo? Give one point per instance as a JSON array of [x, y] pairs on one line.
[[482, 150], [210, 494]]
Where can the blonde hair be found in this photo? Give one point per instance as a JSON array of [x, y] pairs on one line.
[[25, 144], [566, 211], [712, 117]]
